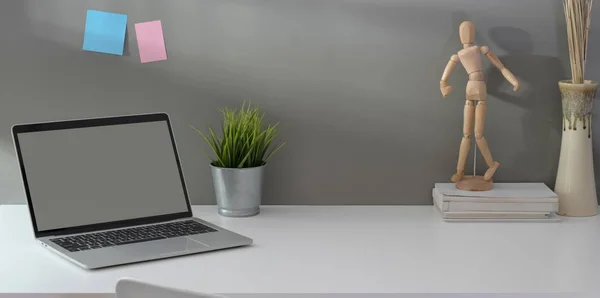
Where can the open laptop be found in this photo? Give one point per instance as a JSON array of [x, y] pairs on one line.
[[109, 191]]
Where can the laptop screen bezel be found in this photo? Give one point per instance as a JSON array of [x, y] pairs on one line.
[[95, 122]]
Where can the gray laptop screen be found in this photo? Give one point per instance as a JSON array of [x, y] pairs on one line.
[[94, 175]]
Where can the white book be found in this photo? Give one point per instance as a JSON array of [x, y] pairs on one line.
[[501, 192], [494, 204], [440, 205], [495, 215], [552, 217], [492, 216]]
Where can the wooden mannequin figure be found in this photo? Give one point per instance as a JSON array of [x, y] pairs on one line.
[[475, 105]]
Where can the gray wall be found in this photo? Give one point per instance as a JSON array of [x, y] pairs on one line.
[[353, 82]]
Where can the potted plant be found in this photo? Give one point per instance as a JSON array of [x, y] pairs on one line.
[[575, 183], [241, 154]]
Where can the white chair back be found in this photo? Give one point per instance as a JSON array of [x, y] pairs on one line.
[[132, 288]]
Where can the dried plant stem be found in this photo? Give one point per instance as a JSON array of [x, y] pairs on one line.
[[577, 16]]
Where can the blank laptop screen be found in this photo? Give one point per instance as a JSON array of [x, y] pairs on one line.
[[92, 175]]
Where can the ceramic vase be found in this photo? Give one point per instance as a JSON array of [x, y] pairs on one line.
[[575, 183]]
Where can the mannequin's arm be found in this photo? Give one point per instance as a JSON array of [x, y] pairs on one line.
[[509, 76], [444, 87]]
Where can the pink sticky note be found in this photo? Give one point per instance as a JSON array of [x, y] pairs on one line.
[[150, 40]]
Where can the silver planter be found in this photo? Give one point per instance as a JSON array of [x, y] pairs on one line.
[[238, 191]]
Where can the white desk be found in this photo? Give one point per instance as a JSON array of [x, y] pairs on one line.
[[318, 249]]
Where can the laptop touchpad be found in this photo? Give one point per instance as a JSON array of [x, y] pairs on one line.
[[161, 247]]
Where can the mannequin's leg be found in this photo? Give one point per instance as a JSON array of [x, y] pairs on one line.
[[465, 144], [482, 144]]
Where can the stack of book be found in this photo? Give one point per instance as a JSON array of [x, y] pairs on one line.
[[505, 202]]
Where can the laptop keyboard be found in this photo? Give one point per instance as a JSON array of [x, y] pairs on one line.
[[131, 235]]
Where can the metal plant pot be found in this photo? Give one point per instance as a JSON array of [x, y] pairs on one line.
[[238, 191]]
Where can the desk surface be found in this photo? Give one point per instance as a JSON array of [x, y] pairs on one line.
[[343, 249]]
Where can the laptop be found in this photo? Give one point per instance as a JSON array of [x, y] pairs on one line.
[[108, 191]]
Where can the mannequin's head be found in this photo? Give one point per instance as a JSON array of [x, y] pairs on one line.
[[467, 33]]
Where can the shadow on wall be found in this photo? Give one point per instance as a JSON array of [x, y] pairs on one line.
[[538, 96]]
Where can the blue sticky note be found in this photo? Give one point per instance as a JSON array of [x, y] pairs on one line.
[[104, 32]]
